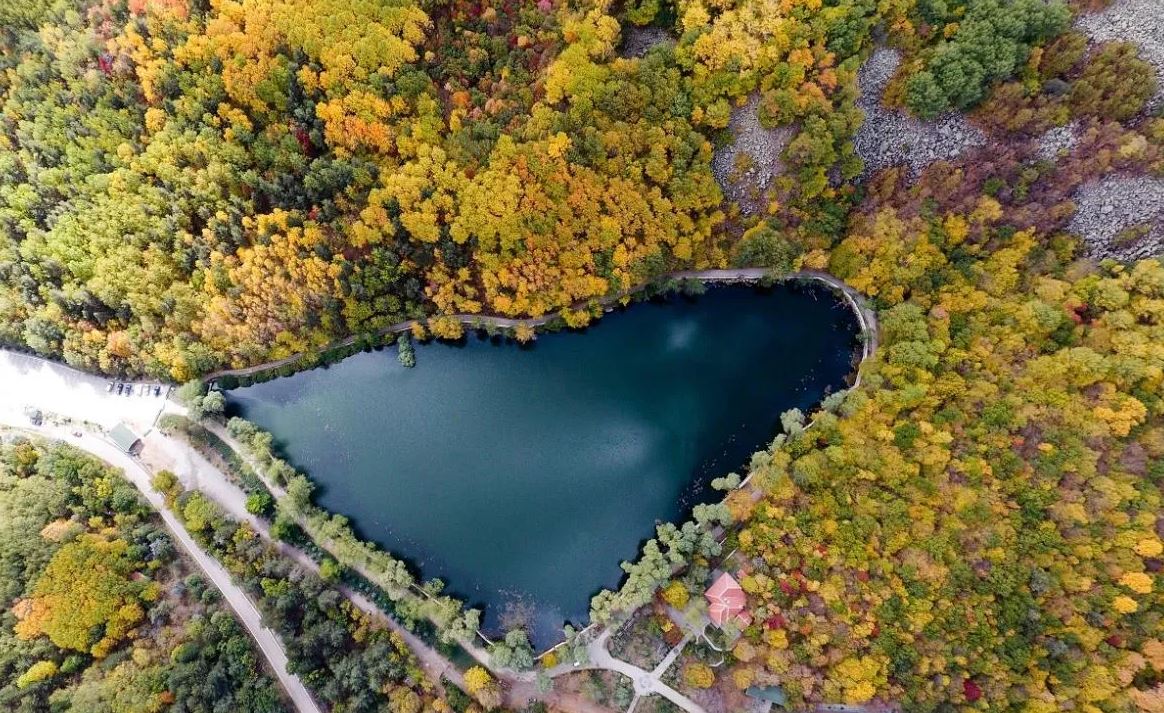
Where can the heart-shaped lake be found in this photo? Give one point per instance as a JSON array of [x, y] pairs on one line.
[[527, 474]]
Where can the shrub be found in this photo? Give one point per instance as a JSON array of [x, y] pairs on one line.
[[676, 595], [166, 483], [330, 570], [39, 671], [1115, 84], [483, 687], [1062, 54], [261, 504], [698, 675]]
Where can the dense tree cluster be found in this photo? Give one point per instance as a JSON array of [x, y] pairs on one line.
[[984, 515], [686, 548], [189, 185], [245, 180], [982, 41], [1066, 80], [99, 612], [978, 525]]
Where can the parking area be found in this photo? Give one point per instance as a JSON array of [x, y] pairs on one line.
[[29, 382], [138, 389]]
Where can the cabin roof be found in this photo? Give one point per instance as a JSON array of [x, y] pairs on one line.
[[726, 601]]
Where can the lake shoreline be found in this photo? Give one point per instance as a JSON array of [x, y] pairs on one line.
[[297, 405], [865, 315], [866, 318]]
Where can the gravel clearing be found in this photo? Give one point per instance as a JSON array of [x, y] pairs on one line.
[[890, 138], [637, 41], [1121, 218], [1058, 141], [746, 168], [1138, 21]]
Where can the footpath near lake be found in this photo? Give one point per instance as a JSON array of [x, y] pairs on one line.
[[521, 476]]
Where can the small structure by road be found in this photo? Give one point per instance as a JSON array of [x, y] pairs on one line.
[[124, 438]]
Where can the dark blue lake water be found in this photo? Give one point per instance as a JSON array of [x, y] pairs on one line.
[[523, 476]]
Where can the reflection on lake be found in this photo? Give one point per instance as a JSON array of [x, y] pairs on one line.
[[528, 474]]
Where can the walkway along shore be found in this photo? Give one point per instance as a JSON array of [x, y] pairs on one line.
[[866, 317], [195, 472], [62, 389]]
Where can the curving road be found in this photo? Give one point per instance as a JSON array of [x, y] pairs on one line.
[[645, 682], [269, 645], [865, 315], [33, 382], [519, 687], [28, 382]]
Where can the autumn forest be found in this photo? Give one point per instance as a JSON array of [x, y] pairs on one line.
[[188, 186]]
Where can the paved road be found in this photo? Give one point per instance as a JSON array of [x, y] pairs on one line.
[[520, 688], [233, 595], [36, 382], [195, 471], [31, 381]]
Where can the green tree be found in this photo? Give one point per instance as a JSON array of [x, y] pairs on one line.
[[1115, 83], [992, 41], [85, 588]]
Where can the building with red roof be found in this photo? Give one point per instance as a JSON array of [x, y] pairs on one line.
[[726, 602]]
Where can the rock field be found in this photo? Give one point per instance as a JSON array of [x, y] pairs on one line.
[[1138, 21], [637, 41], [890, 137], [746, 168], [1121, 217]]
